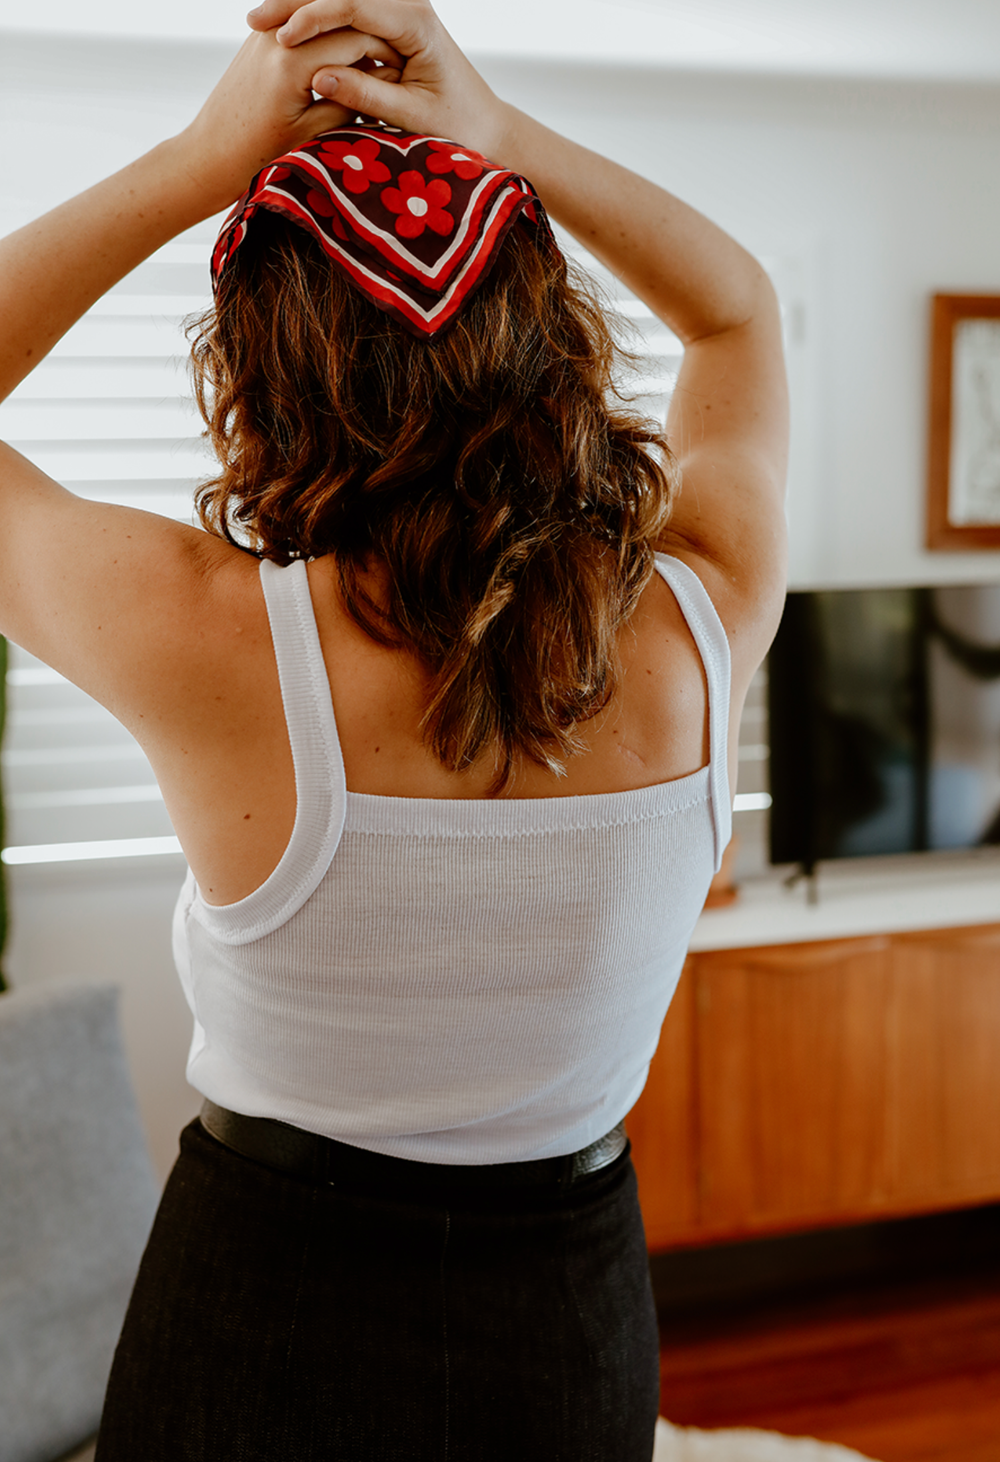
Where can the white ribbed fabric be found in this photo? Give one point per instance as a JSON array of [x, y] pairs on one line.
[[452, 981]]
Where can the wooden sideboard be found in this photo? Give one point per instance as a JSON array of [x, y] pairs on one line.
[[805, 1085]]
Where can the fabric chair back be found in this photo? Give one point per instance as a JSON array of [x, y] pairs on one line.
[[77, 1198]]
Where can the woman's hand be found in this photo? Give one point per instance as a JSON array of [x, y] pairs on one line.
[[264, 105], [440, 92], [54, 269]]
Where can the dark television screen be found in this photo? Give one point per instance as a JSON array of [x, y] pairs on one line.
[[885, 722]]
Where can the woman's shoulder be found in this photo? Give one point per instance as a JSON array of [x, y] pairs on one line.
[[194, 641], [745, 582]]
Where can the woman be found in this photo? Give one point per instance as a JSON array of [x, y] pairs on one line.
[[428, 944]]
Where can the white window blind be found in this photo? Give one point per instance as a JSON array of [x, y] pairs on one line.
[[109, 414]]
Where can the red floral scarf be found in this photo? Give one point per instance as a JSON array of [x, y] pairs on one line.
[[414, 222]]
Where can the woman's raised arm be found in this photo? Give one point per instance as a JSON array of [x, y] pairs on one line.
[[53, 270], [728, 421], [99, 591]]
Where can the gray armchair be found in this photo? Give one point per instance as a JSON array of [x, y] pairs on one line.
[[77, 1198]]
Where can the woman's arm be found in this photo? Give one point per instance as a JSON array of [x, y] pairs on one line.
[[728, 417], [106, 594], [53, 270], [728, 421]]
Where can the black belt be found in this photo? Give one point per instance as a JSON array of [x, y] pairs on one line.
[[324, 1160]]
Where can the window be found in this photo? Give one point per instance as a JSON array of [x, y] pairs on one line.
[[109, 414]]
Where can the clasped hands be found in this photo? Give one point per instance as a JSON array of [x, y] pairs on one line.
[[413, 75], [388, 59]]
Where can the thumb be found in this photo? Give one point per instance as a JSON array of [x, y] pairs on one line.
[[370, 96]]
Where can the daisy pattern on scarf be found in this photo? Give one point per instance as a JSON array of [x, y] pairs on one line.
[[420, 205], [358, 161], [448, 157]]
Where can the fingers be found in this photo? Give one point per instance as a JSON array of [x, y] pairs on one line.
[[371, 94], [344, 49], [385, 73], [400, 22], [271, 13], [370, 48], [381, 73], [440, 92], [264, 105]]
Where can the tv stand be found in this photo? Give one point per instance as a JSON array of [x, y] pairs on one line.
[[806, 875], [850, 1072]]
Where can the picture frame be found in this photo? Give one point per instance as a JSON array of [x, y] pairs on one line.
[[963, 478]]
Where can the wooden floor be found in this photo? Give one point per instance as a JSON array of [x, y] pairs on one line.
[[906, 1371]]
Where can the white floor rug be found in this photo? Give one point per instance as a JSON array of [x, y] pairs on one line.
[[687, 1444]]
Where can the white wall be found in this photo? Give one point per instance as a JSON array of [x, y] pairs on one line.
[[872, 194], [897, 38], [881, 193]]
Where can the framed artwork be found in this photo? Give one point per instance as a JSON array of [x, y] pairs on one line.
[[963, 486]]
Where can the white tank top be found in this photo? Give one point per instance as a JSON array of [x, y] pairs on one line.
[[452, 981]]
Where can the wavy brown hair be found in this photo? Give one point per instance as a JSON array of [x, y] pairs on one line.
[[509, 497]]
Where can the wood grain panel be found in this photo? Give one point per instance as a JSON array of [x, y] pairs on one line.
[[792, 1055], [943, 1075], [828, 1082], [662, 1128]]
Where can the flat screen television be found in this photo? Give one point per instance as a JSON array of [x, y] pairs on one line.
[[884, 710]]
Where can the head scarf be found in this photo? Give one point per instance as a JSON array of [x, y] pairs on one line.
[[414, 222]]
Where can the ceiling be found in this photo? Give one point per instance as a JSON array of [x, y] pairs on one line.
[[956, 41]]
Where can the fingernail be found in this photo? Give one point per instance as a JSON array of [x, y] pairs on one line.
[[327, 85], [257, 10]]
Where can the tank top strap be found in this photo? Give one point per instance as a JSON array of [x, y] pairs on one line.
[[713, 646], [320, 788]]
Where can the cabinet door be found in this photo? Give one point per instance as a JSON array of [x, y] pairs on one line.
[[792, 1044], [661, 1128], [943, 1072]]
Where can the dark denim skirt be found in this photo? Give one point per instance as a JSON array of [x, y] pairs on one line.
[[277, 1320]]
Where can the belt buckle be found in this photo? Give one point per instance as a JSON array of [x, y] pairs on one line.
[[599, 1154]]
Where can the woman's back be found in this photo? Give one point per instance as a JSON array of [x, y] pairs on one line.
[[227, 773], [456, 979]]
